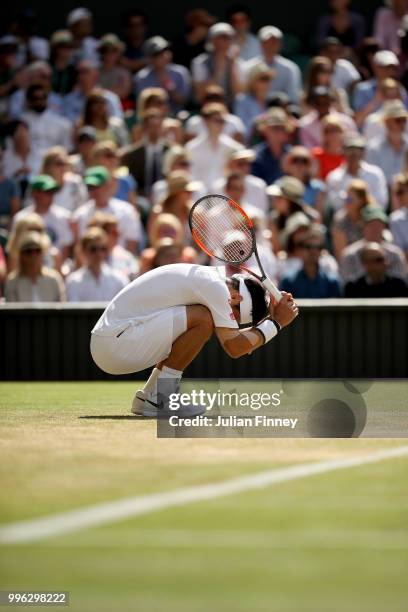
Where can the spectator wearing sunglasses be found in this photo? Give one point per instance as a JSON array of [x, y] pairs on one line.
[[389, 152], [354, 167], [299, 163], [248, 106], [210, 152], [375, 230], [32, 281], [95, 281], [376, 282], [312, 280]]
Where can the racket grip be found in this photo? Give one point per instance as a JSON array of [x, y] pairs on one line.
[[272, 288]]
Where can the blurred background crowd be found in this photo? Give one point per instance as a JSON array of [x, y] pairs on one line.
[[107, 142]]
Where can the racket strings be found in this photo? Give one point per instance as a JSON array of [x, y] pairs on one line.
[[222, 229]]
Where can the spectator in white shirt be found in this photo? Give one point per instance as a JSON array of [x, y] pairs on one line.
[[354, 167], [345, 74], [373, 126], [19, 157], [210, 152], [233, 126], [56, 219], [175, 158], [72, 191], [47, 129], [240, 162], [96, 281], [220, 65], [389, 152], [118, 258], [100, 187], [287, 74], [79, 22]]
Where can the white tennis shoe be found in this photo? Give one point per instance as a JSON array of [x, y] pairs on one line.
[[142, 406]]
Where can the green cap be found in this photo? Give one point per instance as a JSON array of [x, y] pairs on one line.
[[96, 176], [43, 182], [373, 213]]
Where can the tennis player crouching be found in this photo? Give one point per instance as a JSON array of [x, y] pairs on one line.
[[165, 317]]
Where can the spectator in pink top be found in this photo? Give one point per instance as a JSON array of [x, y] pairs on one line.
[[388, 22]]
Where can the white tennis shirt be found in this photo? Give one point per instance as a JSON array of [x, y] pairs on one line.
[[165, 287]]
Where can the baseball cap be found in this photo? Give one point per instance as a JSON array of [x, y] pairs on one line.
[[275, 117], [245, 154], [394, 109], [268, 32], [155, 45], [385, 58], [355, 141], [288, 187], [111, 40], [220, 29], [87, 132], [96, 176], [43, 182], [62, 38], [77, 15], [32, 240], [374, 213]]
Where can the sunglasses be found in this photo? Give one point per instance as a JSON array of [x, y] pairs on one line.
[[97, 249], [312, 247], [375, 260], [400, 192], [300, 160], [32, 251], [38, 99]]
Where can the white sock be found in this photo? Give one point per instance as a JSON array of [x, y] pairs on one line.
[[170, 373], [150, 386]]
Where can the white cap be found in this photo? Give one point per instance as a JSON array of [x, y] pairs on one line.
[[268, 32], [385, 58], [77, 15], [220, 29]]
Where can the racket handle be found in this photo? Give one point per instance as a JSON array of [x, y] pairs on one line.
[[272, 288]]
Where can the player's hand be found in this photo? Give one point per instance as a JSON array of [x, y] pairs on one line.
[[285, 311]]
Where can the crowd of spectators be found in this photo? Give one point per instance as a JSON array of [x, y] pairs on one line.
[[106, 143]]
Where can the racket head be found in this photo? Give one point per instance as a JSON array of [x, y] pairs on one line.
[[222, 229]]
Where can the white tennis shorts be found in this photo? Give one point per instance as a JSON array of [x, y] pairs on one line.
[[141, 344]]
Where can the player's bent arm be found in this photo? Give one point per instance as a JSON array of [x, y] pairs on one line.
[[238, 343]]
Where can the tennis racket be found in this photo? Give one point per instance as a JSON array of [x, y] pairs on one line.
[[222, 229]]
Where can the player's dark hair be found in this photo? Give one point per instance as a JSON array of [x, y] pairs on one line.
[[259, 302], [237, 7]]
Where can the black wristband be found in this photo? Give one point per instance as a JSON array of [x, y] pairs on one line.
[[277, 325]]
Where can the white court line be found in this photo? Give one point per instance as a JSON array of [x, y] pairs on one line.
[[109, 512]]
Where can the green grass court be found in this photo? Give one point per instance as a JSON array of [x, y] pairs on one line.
[[334, 542]]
